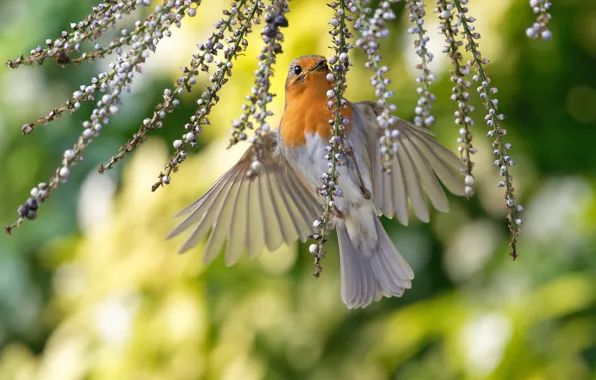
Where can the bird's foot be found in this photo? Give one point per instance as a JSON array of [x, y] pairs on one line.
[[365, 192], [337, 212]]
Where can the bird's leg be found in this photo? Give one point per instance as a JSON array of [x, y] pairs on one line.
[[333, 210], [337, 212], [365, 192]]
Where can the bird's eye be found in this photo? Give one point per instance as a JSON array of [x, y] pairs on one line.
[[297, 70]]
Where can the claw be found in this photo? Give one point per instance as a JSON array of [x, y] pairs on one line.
[[365, 192], [337, 212]]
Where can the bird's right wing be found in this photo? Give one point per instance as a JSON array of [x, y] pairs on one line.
[[417, 167], [251, 212]]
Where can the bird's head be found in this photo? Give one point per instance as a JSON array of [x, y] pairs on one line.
[[307, 101], [308, 72]]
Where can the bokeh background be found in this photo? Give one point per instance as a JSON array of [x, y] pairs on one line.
[[91, 290]]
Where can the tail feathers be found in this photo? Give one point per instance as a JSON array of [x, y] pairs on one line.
[[368, 276]]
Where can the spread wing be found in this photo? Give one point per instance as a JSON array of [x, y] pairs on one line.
[[417, 168], [251, 212]]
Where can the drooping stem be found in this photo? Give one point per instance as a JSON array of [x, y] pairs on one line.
[[338, 146], [255, 110], [540, 27], [459, 91], [104, 15], [171, 96], [113, 86], [427, 98], [247, 12], [493, 120], [372, 26]]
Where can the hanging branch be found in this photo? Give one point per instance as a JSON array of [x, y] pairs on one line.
[[427, 98], [86, 92], [493, 120], [372, 28], [247, 11], [114, 84], [171, 97], [338, 146], [459, 91], [256, 107], [104, 16], [540, 27]]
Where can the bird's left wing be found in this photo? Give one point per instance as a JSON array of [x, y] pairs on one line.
[[417, 168], [251, 209]]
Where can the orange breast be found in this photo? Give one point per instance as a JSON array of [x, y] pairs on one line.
[[307, 112]]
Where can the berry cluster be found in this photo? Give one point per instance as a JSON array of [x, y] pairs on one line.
[[416, 15], [256, 107], [540, 27], [373, 26]]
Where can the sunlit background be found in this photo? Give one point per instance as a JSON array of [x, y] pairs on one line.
[[91, 290]]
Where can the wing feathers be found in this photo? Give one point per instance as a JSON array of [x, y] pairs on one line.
[[302, 214], [306, 200], [211, 204], [222, 220], [400, 195], [419, 165], [238, 225], [270, 223], [221, 180], [429, 180], [198, 208], [255, 238], [288, 225], [412, 180], [251, 213], [445, 164]]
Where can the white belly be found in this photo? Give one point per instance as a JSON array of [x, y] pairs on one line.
[[309, 163]]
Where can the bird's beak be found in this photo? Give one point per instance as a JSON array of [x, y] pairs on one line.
[[321, 65]]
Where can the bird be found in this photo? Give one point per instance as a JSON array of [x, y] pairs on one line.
[[261, 205]]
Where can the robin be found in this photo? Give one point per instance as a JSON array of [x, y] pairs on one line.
[[274, 200]]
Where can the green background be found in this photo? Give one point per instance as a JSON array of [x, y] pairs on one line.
[[91, 290]]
